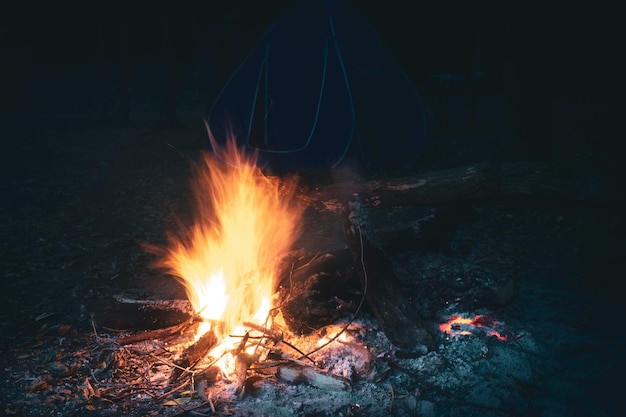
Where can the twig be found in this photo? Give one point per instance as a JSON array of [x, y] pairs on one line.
[[288, 297], [281, 362], [303, 355], [95, 332], [309, 262], [174, 390], [94, 376]]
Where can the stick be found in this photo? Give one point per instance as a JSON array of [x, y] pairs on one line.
[[160, 334]]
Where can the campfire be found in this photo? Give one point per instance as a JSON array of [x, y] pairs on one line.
[[267, 317], [258, 309], [230, 260]]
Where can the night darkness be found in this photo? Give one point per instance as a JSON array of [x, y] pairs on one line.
[[58, 56], [101, 111]]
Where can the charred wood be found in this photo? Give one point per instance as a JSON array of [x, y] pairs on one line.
[[130, 314], [464, 183], [392, 308], [193, 354], [181, 306], [319, 291], [427, 228], [474, 181], [160, 334], [296, 374]]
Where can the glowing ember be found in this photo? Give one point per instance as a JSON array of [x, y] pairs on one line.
[[463, 326], [244, 222], [332, 335]]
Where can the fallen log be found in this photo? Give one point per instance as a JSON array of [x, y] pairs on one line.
[[464, 183], [391, 307], [469, 182]]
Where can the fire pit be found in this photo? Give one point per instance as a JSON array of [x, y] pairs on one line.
[[230, 260], [263, 318], [375, 308]]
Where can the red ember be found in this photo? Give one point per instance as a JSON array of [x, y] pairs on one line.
[[462, 326]]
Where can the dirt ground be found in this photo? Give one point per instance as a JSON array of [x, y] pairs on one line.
[[78, 200]]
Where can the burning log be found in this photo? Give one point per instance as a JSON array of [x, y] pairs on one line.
[[384, 295], [193, 354]]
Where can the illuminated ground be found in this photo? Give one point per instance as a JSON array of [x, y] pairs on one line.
[[78, 199]]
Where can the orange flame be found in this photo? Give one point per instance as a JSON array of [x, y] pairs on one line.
[[244, 222]]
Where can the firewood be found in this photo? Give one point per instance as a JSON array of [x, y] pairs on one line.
[[296, 374], [130, 314], [455, 184], [193, 354], [181, 306], [397, 318], [472, 181], [318, 292], [160, 334]]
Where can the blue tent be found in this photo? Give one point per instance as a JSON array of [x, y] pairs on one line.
[[319, 87]]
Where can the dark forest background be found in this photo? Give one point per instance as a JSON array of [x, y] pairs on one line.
[[146, 63]]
